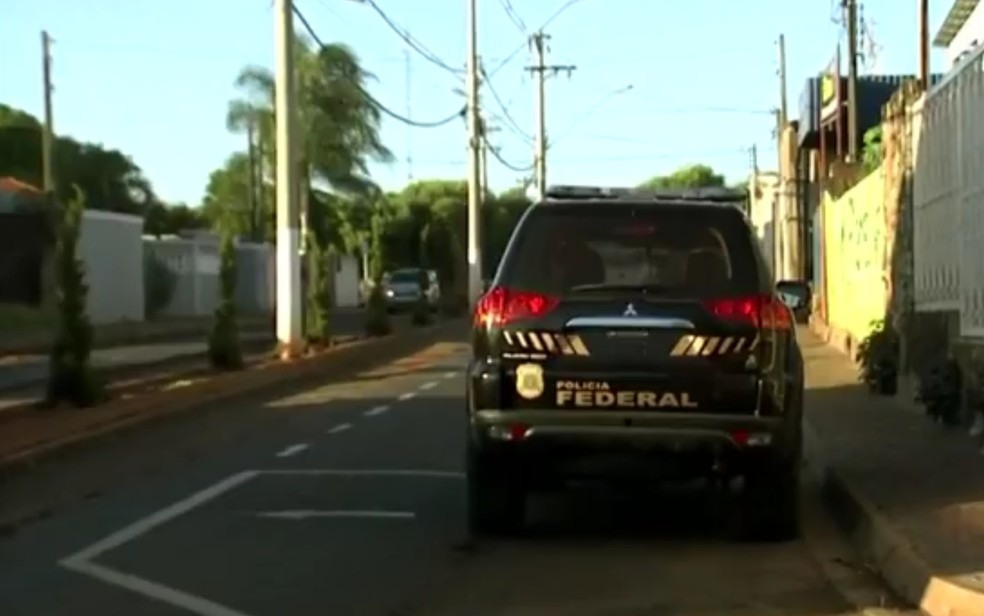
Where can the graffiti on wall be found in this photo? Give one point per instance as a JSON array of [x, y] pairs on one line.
[[864, 237], [859, 239]]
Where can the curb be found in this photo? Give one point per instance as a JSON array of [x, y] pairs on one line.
[[129, 413], [883, 546]]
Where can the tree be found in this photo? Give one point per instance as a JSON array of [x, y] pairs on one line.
[[109, 179], [339, 121], [690, 176], [224, 351], [377, 316], [227, 201], [318, 305], [71, 378], [163, 219]]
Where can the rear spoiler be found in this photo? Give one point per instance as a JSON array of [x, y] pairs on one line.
[[710, 194]]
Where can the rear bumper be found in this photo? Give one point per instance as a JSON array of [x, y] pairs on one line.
[[589, 442]]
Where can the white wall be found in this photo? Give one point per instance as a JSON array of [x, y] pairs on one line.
[[111, 247], [195, 262], [762, 211], [346, 281], [972, 30]]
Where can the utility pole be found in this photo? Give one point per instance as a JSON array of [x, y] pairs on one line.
[[48, 136], [851, 17], [474, 146], [924, 44], [783, 108], [538, 41], [783, 111], [788, 206], [409, 95], [483, 160], [289, 330], [483, 163], [254, 212], [753, 151]]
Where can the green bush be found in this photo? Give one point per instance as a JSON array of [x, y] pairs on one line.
[[878, 357], [160, 283], [317, 314], [224, 351], [71, 378]]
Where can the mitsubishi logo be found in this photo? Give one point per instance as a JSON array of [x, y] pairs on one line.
[[630, 311]]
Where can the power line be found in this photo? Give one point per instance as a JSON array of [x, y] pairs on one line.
[[383, 108], [413, 43], [683, 156], [510, 121], [513, 15], [525, 42], [591, 110], [507, 164]]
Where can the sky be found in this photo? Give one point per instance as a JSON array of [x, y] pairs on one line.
[[153, 78]]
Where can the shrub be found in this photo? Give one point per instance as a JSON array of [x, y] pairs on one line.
[[71, 378], [224, 351], [159, 284]]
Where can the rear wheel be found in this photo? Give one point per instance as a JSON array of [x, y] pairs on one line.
[[771, 504], [496, 498]]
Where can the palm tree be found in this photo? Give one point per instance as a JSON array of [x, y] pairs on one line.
[[339, 122]]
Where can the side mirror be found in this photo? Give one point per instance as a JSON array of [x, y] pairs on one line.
[[796, 294]]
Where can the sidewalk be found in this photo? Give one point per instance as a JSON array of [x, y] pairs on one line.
[[32, 341], [910, 492], [22, 378]]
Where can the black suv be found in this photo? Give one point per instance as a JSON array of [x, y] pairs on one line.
[[635, 336]]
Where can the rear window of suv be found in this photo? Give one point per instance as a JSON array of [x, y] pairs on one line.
[[686, 251], [405, 275]]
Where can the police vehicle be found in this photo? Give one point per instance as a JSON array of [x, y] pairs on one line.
[[635, 336]]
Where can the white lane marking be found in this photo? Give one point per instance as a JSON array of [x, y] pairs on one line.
[[340, 428], [428, 385], [293, 450], [407, 396], [377, 410], [153, 590], [451, 375], [304, 514], [340, 472], [167, 514], [80, 562]]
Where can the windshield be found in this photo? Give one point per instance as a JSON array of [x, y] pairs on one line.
[[576, 250], [404, 276]]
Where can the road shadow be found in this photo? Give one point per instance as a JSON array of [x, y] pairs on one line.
[[587, 513]]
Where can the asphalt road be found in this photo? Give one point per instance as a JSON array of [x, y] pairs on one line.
[[348, 499], [29, 371]]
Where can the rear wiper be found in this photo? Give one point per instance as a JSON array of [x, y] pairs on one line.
[[602, 287]]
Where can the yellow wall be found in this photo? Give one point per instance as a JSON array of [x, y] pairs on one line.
[[855, 256]]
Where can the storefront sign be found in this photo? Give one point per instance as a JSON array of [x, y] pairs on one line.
[[831, 97]]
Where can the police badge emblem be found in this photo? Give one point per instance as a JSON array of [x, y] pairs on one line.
[[529, 381]]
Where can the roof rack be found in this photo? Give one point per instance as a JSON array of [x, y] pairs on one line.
[[716, 194]]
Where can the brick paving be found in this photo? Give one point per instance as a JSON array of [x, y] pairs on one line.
[[927, 480]]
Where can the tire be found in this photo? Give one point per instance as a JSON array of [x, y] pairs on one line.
[[771, 505], [496, 499]]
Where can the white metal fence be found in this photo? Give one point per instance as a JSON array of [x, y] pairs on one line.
[[948, 193], [194, 260]]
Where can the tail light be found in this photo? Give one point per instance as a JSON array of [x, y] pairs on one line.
[[502, 305], [762, 311]]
